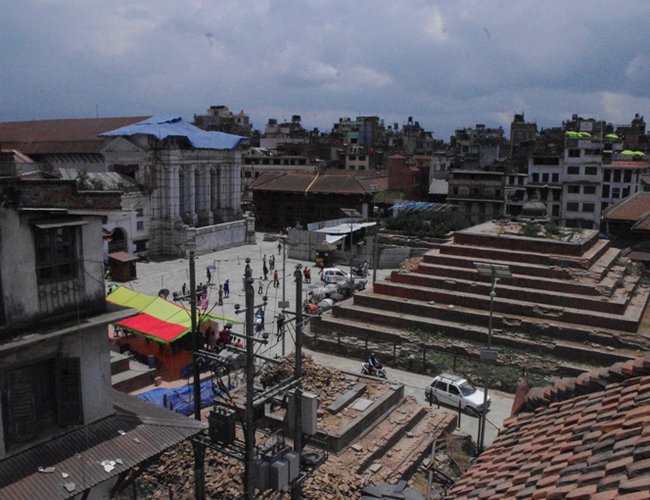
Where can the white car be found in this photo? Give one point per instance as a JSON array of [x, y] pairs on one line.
[[336, 275], [454, 390]]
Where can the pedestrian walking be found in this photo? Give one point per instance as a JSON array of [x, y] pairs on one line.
[[279, 248], [208, 274], [260, 287], [276, 279], [272, 262], [307, 274], [265, 272], [220, 295], [280, 324], [184, 289], [264, 259], [226, 288]]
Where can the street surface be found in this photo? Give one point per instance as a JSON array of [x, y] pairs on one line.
[[230, 264]]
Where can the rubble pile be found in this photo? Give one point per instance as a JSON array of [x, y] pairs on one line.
[[410, 264], [335, 479], [327, 383], [172, 475], [343, 476]]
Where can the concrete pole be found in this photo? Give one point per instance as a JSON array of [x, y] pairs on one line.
[[284, 285], [195, 336], [199, 449], [375, 254], [296, 492], [486, 373], [249, 458]]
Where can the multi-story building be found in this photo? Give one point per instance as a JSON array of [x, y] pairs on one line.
[[480, 147], [622, 176], [439, 166], [276, 134], [409, 176], [220, 118], [59, 417], [194, 181], [583, 174], [478, 194], [300, 198], [256, 161], [545, 180], [522, 131]]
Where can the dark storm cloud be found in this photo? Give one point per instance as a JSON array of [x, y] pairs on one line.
[[447, 64]]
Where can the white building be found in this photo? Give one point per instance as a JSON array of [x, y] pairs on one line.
[[583, 174], [194, 181]]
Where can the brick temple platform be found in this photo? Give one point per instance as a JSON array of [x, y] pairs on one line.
[[574, 291]]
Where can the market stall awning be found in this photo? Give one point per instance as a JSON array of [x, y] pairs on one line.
[[332, 238], [160, 319], [345, 228], [153, 328]]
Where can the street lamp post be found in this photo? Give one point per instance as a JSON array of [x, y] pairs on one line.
[[489, 355]]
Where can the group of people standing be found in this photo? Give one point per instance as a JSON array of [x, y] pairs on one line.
[[217, 341]]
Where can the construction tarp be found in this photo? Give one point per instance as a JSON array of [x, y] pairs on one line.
[[159, 319], [163, 127], [181, 400]]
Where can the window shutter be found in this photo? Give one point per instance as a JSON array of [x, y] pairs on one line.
[[68, 391], [21, 407]]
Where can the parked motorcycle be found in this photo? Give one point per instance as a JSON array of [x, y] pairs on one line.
[[360, 270], [379, 371]]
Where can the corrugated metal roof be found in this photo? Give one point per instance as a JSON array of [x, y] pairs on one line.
[[137, 431], [345, 227], [60, 136], [104, 181]]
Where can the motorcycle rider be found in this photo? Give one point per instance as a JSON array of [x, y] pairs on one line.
[[259, 320], [373, 363], [361, 269]]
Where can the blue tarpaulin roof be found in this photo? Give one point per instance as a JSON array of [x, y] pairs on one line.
[[181, 399], [174, 126]]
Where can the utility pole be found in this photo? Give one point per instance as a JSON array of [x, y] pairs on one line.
[[375, 254], [198, 448], [284, 285], [296, 492], [249, 457]]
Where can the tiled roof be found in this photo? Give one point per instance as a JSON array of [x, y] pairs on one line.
[[630, 209], [60, 136], [305, 182], [585, 437], [636, 165], [642, 225]]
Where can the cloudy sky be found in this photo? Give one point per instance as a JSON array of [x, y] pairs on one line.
[[448, 64]]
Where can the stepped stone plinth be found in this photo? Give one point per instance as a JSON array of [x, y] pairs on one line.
[[569, 286]]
